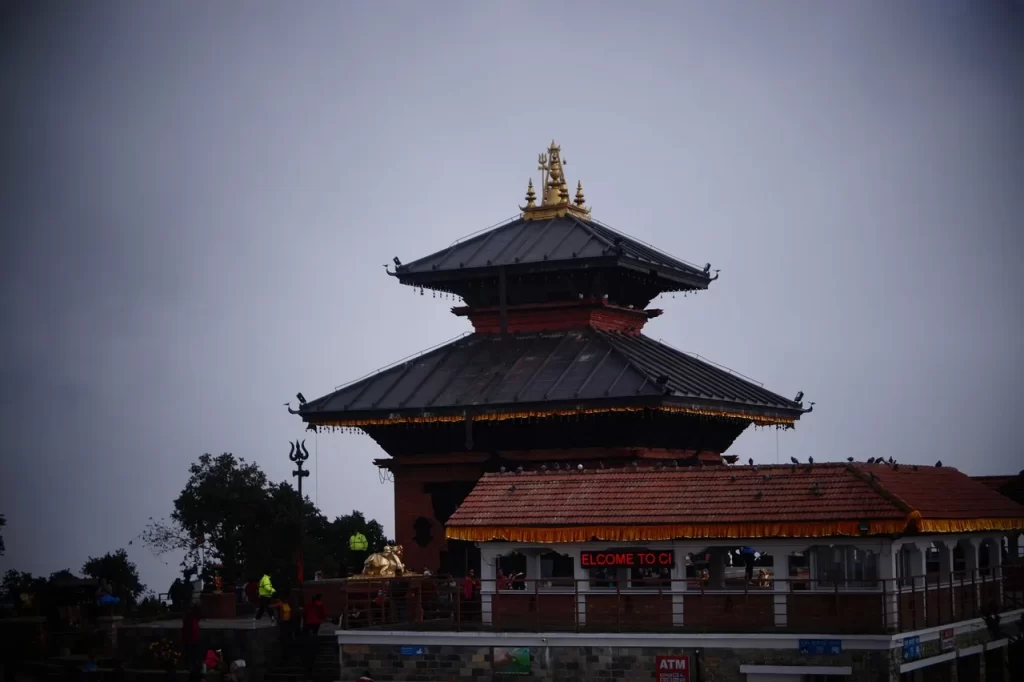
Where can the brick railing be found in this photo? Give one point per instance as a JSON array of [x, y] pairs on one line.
[[776, 605]]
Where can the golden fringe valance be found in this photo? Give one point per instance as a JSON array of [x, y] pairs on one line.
[[760, 420], [797, 529], [968, 525]]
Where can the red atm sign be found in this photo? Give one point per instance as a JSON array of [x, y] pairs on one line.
[[672, 668], [628, 559]]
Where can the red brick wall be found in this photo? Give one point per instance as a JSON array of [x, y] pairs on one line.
[[528, 611], [729, 611], [809, 612], [411, 502], [559, 317], [628, 611]]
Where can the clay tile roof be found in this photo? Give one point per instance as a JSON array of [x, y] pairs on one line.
[[839, 497], [943, 492]]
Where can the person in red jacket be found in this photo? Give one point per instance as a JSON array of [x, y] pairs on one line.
[[316, 614]]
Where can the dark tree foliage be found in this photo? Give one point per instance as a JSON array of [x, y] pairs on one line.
[[229, 514], [120, 573]]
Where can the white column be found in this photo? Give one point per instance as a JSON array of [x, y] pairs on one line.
[[919, 563], [488, 573], [678, 587], [582, 576], [780, 585], [887, 573]]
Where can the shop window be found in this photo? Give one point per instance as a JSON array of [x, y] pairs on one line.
[[511, 571], [556, 570]]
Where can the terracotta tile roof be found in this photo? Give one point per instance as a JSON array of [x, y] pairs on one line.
[[1008, 486], [942, 492], [824, 493]]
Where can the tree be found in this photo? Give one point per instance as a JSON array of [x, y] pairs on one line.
[[120, 573], [230, 514]]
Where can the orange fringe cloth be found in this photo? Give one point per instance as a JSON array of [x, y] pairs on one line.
[[760, 420], [724, 530]]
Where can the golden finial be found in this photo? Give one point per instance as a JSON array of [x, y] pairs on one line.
[[555, 197], [531, 196]]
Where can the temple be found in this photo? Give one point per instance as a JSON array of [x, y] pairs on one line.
[[557, 371], [573, 474]]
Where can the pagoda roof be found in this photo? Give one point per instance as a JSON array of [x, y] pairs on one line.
[[559, 243], [823, 500], [588, 370]]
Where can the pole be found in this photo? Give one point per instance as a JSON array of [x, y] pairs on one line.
[[298, 455]]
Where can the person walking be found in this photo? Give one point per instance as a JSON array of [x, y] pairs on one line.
[[266, 593]]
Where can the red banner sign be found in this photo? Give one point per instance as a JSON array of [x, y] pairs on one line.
[[672, 668], [628, 559]]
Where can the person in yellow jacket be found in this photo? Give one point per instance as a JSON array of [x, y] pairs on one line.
[[266, 594], [357, 544]]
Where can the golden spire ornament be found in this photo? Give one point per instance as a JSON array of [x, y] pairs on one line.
[[555, 197], [531, 196]]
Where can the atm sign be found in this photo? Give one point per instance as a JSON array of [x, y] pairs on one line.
[[672, 668], [628, 559]]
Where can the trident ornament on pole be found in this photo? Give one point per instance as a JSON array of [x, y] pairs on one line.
[[299, 454]]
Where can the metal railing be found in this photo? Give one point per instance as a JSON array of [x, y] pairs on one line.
[[767, 605]]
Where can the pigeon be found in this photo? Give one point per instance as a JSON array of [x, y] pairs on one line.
[[849, 459], [750, 461], [543, 467], [810, 460], [579, 467], [519, 470], [794, 460], [938, 465], [502, 469], [871, 460]]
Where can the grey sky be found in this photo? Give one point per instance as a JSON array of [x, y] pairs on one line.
[[198, 198]]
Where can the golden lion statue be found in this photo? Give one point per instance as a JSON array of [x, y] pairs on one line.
[[383, 564]]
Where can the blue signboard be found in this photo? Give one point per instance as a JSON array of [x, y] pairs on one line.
[[821, 647], [911, 648], [412, 651]]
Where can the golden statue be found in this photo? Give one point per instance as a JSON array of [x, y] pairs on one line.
[[383, 564]]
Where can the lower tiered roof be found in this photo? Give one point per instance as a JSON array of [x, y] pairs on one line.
[[584, 370], [821, 500]]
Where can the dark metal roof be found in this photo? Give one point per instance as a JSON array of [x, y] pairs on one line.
[[582, 366], [559, 240]]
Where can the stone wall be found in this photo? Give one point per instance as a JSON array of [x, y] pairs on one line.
[[571, 664], [258, 646]]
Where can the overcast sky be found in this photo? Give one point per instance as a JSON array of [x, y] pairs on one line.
[[197, 200]]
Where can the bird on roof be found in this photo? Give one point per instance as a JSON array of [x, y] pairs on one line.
[[849, 459], [600, 465], [938, 465], [750, 461], [543, 467], [891, 460], [794, 460], [512, 488], [519, 470], [579, 467], [871, 460], [502, 469], [810, 460]]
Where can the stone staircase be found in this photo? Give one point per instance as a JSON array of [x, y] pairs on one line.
[[326, 664]]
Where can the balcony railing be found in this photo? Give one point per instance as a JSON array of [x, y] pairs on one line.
[[775, 605]]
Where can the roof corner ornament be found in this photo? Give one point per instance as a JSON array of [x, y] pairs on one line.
[[707, 272], [555, 201], [290, 410], [809, 409]]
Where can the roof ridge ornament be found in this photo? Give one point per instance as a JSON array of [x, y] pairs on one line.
[[555, 198]]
